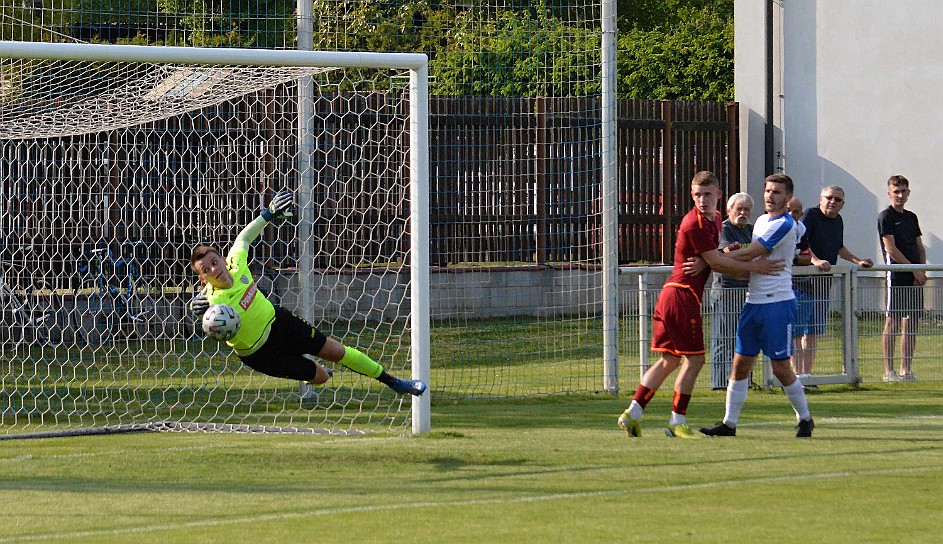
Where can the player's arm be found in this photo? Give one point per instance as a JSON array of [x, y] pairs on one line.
[[751, 258], [282, 206], [749, 252], [695, 265]]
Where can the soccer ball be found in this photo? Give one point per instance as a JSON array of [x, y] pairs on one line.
[[221, 322]]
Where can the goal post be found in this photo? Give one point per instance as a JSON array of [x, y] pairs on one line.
[[111, 159]]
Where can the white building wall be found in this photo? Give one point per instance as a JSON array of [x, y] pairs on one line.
[[861, 85], [749, 81]]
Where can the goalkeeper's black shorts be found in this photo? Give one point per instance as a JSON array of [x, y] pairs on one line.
[[282, 355]]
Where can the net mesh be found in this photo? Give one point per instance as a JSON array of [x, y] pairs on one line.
[[514, 144], [108, 96], [111, 172]]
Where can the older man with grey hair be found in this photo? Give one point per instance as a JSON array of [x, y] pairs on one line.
[[729, 292]]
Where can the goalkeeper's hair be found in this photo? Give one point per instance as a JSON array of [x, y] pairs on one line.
[[199, 252]]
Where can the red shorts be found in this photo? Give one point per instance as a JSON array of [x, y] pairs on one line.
[[677, 325]]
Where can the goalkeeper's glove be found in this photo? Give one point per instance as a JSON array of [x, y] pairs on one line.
[[199, 305], [282, 206]]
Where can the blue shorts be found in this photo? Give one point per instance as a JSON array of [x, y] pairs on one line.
[[811, 313], [766, 327]]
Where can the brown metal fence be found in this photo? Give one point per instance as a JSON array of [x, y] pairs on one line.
[[517, 179], [698, 136], [512, 180]]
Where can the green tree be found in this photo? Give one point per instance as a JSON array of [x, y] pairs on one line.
[[404, 26], [22, 20], [517, 53], [221, 23], [674, 49], [687, 55], [524, 51], [649, 14]]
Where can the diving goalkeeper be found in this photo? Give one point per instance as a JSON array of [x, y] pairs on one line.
[[271, 339]]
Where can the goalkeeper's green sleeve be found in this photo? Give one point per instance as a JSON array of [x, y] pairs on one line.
[[251, 232], [360, 363]]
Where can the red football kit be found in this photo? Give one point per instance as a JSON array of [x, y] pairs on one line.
[[677, 325]]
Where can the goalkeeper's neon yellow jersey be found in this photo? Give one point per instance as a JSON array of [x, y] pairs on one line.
[[255, 311]]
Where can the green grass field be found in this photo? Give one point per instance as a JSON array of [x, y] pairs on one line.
[[533, 470]]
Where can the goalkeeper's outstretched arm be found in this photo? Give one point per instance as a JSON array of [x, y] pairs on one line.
[[280, 208]]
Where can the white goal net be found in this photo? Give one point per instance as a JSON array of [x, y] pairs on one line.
[[116, 160]]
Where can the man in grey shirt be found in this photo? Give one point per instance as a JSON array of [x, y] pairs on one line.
[[729, 292]]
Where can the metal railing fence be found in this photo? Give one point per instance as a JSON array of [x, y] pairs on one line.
[[850, 321]]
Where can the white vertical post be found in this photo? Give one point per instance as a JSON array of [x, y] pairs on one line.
[[305, 177], [851, 313], [419, 241], [644, 324], [305, 168], [608, 189]]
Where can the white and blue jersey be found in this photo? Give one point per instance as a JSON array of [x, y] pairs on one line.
[[779, 235], [769, 315]]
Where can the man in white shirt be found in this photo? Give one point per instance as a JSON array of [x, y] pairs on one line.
[[768, 317]]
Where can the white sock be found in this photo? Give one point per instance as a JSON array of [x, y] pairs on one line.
[[736, 396], [796, 396], [677, 419], [636, 410]]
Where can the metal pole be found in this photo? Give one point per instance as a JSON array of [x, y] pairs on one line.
[[770, 154], [644, 324], [210, 55], [305, 167], [852, 313], [610, 219], [419, 242], [305, 179]]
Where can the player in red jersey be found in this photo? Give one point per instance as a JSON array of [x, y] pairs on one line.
[[677, 326]]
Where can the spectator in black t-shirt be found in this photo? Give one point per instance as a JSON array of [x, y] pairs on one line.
[[901, 243], [825, 234]]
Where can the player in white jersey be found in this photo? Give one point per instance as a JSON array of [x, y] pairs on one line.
[[768, 317], [779, 236]]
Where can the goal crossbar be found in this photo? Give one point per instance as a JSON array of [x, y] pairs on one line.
[[210, 55]]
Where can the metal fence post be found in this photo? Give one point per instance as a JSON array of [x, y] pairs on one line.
[[610, 220], [644, 323], [851, 313]]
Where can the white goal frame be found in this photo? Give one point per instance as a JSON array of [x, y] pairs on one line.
[[417, 64]]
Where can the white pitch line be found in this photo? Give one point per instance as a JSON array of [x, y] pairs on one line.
[[473, 502], [879, 419], [839, 419]]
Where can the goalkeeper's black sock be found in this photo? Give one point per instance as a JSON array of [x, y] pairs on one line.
[[386, 378], [355, 360]]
